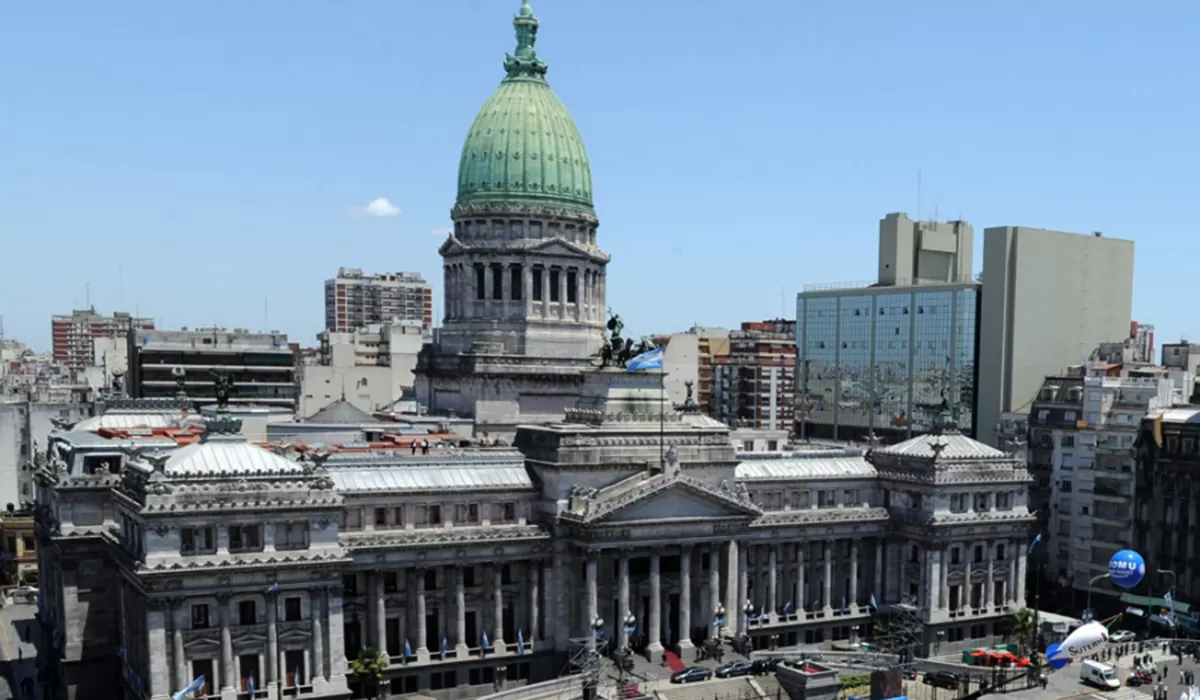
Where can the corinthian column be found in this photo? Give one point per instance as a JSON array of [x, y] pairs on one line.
[[685, 598], [460, 614], [772, 582], [622, 597], [227, 670], [655, 605]]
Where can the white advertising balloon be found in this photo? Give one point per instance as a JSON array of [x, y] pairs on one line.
[[1085, 640]]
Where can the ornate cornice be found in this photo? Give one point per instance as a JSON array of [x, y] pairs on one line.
[[565, 212], [434, 537], [266, 561], [821, 516]]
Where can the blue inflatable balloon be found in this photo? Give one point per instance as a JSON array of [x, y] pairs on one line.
[[1127, 568], [1054, 659]]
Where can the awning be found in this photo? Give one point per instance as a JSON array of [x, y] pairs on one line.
[[1154, 602]]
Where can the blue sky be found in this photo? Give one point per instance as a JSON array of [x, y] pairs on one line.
[[200, 160]]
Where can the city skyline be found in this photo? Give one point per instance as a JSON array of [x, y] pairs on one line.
[[203, 162]]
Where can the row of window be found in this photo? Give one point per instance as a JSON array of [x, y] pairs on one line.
[[824, 498], [980, 502], [472, 578], [430, 515], [204, 617], [244, 537]]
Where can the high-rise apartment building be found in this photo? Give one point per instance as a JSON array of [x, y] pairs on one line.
[[888, 359], [75, 334], [1082, 431], [354, 300], [1049, 298], [754, 385]]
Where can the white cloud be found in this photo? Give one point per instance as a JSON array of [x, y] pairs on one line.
[[380, 207]]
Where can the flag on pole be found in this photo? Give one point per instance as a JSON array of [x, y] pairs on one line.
[[250, 684], [407, 649], [520, 643], [1170, 601], [297, 677], [844, 608], [196, 686], [445, 644], [652, 359], [487, 643], [787, 608], [273, 588], [874, 605], [1036, 541]]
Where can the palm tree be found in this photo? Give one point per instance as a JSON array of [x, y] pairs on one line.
[[1021, 625], [368, 668]]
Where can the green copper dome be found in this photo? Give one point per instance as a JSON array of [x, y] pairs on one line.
[[524, 149]]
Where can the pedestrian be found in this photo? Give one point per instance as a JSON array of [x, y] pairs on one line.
[[1182, 677]]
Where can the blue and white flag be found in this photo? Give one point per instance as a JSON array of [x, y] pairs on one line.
[[520, 643], [445, 644], [250, 684], [844, 608], [297, 677], [1170, 601], [487, 643], [407, 649], [196, 686], [652, 359], [787, 608], [1036, 541], [273, 588], [874, 605]]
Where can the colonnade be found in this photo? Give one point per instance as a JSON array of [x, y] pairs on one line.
[[517, 289]]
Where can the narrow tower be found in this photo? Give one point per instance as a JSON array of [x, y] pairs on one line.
[[524, 278]]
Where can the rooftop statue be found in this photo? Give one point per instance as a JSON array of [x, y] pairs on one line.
[[618, 350]]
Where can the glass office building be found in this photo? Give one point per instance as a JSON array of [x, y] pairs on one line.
[[887, 361]]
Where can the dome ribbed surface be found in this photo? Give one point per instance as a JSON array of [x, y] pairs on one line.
[[524, 147]]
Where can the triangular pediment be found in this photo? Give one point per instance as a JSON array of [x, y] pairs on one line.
[[678, 498], [451, 245], [560, 246]]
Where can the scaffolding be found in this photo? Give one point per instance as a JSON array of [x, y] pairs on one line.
[[904, 634], [598, 677]]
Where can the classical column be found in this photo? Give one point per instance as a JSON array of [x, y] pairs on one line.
[[964, 601], [527, 291], [1010, 595], [179, 620], [801, 584], [593, 602], [422, 649], [990, 551], [685, 598], [317, 611], [655, 604], [158, 671], [498, 607], [772, 582], [380, 613], [534, 600], [227, 670], [337, 647], [460, 614], [743, 588], [828, 582], [714, 584], [733, 615], [272, 675], [853, 575], [879, 544], [562, 292], [1022, 558], [488, 302], [622, 597]]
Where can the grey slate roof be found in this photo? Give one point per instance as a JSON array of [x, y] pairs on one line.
[[956, 447], [125, 421], [341, 412]]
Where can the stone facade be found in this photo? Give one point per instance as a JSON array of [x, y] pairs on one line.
[[477, 568]]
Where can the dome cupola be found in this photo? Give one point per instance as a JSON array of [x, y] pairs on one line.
[[523, 150]]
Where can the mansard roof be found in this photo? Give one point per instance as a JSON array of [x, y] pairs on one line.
[[227, 458], [434, 477], [944, 446]]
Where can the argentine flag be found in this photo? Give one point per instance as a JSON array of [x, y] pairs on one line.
[[520, 643], [652, 359], [196, 686]]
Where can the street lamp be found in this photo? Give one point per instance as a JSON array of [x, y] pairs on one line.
[[1089, 612]]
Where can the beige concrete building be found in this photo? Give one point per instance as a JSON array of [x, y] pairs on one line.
[[1049, 298], [924, 252], [370, 368]]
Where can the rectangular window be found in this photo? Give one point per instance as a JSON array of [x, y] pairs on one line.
[[381, 517], [435, 515], [480, 283], [516, 282], [244, 538], [497, 281], [291, 535], [398, 516], [197, 540], [291, 609], [247, 615], [390, 582], [353, 519], [572, 292], [200, 617], [509, 514], [537, 284], [248, 665], [554, 284], [350, 584]]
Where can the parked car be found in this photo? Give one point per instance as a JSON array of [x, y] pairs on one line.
[[733, 669], [765, 666], [691, 675], [1121, 636], [909, 673], [942, 679]]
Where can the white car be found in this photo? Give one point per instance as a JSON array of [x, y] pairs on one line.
[[1122, 636]]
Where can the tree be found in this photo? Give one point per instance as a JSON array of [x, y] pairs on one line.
[[1021, 626], [368, 668]]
